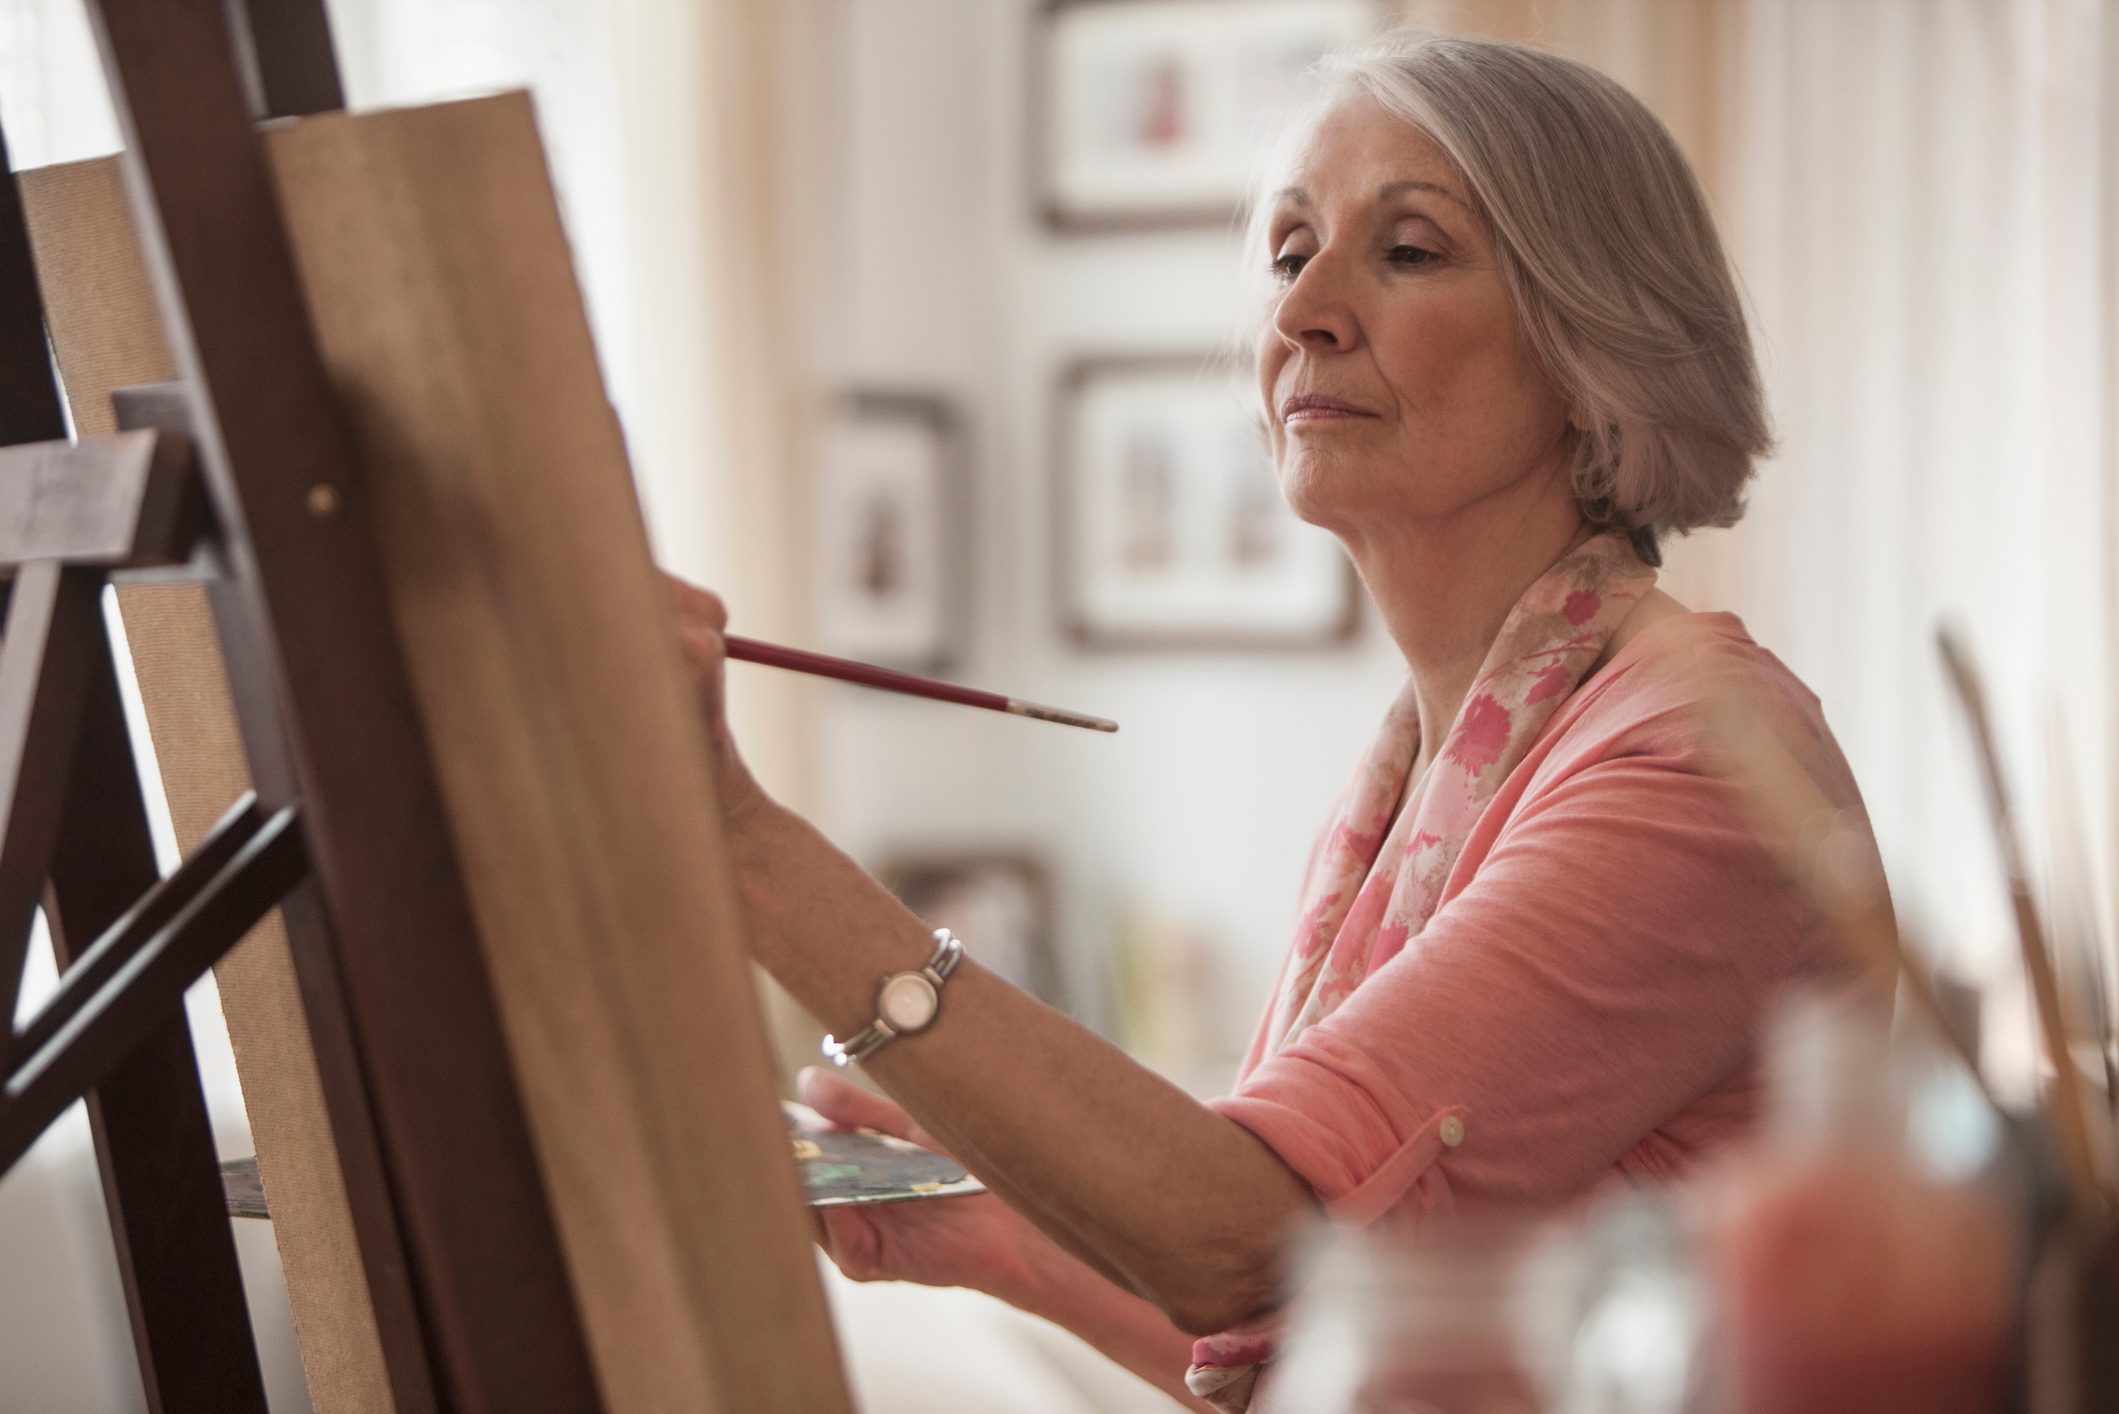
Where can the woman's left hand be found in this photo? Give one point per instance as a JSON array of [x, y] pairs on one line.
[[976, 1241], [702, 619]]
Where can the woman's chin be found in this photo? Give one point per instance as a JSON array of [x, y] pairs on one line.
[[1316, 495]]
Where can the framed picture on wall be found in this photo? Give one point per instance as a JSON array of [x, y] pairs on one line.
[[1148, 112], [1170, 529], [892, 531], [998, 903]]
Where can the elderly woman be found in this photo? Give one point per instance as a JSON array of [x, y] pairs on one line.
[[1503, 357]]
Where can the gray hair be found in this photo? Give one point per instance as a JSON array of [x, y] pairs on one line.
[[1611, 257]]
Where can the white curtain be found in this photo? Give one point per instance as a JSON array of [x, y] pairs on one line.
[[52, 100], [1923, 197]]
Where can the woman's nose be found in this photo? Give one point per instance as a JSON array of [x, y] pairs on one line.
[[1314, 314]]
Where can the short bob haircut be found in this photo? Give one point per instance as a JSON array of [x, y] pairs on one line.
[[1605, 241]]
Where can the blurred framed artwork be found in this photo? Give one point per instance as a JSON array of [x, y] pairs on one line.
[[891, 527], [1148, 112], [1170, 526], [998, 903]]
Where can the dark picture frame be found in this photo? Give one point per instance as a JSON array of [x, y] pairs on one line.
[[1146, 114], [892, 530], [1169, 529]]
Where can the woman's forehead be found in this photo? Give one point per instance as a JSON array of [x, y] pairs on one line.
[[1357, 149]]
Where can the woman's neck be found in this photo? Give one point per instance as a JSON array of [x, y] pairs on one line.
[[1444, 589]]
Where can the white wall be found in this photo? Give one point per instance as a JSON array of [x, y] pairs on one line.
[[1203, 807]]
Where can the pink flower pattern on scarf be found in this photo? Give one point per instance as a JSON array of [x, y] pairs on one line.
[[1377, 881]]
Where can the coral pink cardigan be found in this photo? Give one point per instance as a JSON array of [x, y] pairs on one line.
[[1584, 1005]]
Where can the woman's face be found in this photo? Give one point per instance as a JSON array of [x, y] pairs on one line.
[[1397, 380]]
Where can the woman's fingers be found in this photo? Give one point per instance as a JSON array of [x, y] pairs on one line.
[[850, 1239], [701, 619], [696, 605], [849, 1106], [704, 653], [974, 1241]]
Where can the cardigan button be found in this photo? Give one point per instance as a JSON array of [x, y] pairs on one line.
[[1452, 1131]]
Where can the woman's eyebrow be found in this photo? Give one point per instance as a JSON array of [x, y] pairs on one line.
[[1391, 189], [1300, 197]]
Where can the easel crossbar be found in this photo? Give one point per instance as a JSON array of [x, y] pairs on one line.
[[123, 940], [138, 995], [130, 500]]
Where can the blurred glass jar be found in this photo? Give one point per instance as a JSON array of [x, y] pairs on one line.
[[1395, 1323], [1624, 1312], [1865, 1259]]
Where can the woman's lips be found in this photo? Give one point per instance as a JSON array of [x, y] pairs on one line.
[[1316, 407]]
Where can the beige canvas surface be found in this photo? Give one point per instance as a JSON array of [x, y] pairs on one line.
[[107, 334]]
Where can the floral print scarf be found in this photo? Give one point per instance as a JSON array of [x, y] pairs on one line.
[[1374, 882]]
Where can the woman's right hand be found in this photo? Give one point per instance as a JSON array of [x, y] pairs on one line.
[[702, 624], [976, 1241]]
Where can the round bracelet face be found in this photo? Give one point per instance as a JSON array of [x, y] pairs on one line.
[[908, 1001]]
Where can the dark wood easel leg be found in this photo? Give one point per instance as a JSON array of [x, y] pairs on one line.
[[154, 1142]]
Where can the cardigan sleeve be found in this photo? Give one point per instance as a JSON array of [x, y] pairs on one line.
[[1607, 964]]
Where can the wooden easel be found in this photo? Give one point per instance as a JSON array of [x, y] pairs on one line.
[[244, 474]]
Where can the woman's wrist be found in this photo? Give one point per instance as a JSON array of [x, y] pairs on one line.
[[744, 803], [1054, 1285], [760, 835], [1023, 1273]]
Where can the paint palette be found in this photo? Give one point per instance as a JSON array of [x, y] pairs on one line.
[[840, 1168], [844, 1167]]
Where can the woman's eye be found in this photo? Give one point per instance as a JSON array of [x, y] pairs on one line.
[[1411, 255], [1287, 267]]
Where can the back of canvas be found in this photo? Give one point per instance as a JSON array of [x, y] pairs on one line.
[[560, 717]]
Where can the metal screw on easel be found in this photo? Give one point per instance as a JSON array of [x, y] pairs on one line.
[[323, 501]]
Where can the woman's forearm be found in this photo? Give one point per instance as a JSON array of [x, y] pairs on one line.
[[1177, 1203], [1125, 1328]]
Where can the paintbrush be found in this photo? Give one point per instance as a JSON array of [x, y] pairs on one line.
[[2080, 959], [2070, 1113], [772, 655]]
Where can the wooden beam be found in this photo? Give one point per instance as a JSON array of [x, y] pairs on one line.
[[30, 411], [298, 1055], [154, 1141], [53, 630], [140, 996], [122, 501], [284, 52], [89, 966], [176, 1257]]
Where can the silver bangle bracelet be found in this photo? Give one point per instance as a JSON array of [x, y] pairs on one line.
[[906, 1003]]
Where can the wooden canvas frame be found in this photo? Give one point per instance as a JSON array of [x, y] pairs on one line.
[[514, 946]]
